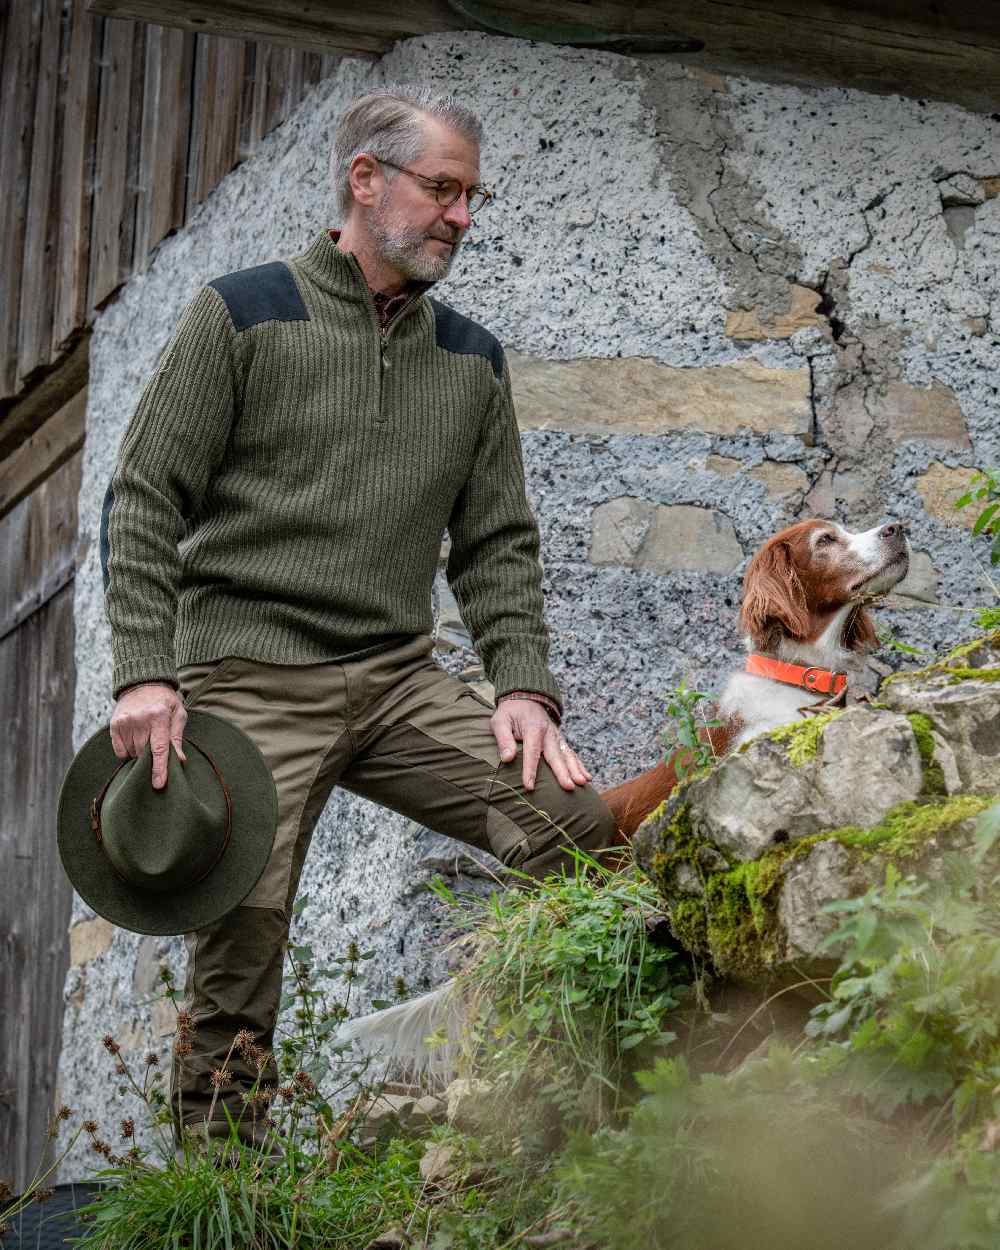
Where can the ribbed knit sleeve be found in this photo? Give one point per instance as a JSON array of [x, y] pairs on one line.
[[173, 444], [493, 568]]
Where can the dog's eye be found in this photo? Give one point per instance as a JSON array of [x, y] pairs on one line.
[[825, 539]]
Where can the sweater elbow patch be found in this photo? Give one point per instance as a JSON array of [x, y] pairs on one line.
[[109, 501]]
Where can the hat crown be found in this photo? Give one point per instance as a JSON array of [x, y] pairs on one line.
[[163, 840]]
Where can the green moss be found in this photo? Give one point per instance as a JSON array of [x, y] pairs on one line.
[[955, 675], [951, 665], [906, 828], [802, 738], [923, 731]]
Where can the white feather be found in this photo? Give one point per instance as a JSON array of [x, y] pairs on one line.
[[398, 1036]]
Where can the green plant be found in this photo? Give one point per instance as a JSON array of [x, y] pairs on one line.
[[767, 1158], [984, 490], [887, 639], [565, 984], [685, 738]]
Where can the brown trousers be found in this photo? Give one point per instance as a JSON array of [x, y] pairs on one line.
[[394, 728]]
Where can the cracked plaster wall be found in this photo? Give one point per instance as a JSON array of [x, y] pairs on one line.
[[686, 221]]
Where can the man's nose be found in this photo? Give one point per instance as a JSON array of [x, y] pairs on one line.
[[457, 214]]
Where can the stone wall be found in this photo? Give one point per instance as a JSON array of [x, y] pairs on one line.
[[726, 305]]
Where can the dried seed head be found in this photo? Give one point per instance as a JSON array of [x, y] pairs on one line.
[[352, 952], [182, 1046], [185, 1020], [220, 1077], [110, 1045], [63, 1113], [286, 1091], [152, 1060], [128, 1129], [43, 1195], [90, 1126], [121, 1069]]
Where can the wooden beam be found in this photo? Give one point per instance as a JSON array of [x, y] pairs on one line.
[[345, 29], [49, 448], [18, 421], [914, 47]]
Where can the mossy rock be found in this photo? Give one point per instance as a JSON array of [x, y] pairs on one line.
[[762, 919]]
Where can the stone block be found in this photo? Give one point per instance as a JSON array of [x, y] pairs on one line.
[[636, 395], [921, 580], [939, 487], [88, 939], [783, 481], [724, 466], [618, 530], [929, 413], [686, 537], [961, 190], [753, 324]]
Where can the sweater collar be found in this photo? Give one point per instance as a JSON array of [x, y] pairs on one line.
[[339, 272]]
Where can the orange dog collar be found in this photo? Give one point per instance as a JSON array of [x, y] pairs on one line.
[[816, 680]]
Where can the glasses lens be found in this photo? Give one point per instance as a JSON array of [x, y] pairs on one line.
[[448, 192], [477, 197]]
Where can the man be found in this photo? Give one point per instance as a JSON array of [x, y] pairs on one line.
[[271, 535]]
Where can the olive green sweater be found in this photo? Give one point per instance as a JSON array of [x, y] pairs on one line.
[[283, 487]]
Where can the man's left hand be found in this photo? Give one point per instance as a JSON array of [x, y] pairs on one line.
[[527, 722]]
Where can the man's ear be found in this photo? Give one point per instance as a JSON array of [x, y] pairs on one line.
[[365, 177], [774, 601]]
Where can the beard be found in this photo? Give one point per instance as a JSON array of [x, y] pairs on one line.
[[402, 246]]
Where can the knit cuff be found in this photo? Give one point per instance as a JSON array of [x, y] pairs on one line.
[[147, 668], [534, 679]]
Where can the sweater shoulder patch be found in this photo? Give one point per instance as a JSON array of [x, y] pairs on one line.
[[263, 293], [455, 333]]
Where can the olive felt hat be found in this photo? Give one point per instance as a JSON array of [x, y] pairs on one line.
[[176, 859]]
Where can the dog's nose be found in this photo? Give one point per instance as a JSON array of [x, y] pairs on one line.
[[892, 529]]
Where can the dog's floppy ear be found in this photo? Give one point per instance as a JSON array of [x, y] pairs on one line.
[[774, 601], [860, 632]]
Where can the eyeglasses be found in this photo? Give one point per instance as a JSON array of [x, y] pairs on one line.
[[447, 190]]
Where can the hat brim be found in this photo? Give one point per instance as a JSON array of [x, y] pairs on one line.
[[254, 821]]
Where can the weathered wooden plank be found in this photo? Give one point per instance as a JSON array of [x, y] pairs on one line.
[[224, 90], [39, 535], [37, 677], [49, 447], [278, 103], [20, 419], [17, 95], [112, 197], [41, 226], [78, 121], [166, 117]]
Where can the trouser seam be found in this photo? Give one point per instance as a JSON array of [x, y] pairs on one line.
[[300, 817]]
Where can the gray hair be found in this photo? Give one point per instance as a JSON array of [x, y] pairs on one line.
[[388, 124]]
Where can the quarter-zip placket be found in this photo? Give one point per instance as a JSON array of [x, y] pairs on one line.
[[384, 332]]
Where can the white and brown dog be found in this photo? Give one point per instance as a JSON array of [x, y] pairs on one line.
[[805, 628]]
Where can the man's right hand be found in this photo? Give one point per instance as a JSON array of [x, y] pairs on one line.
[[151, 713]]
